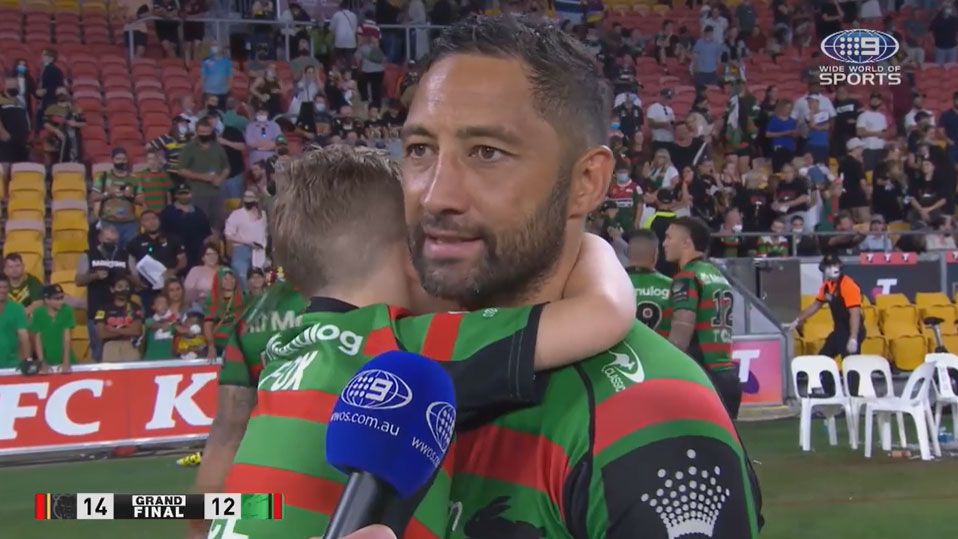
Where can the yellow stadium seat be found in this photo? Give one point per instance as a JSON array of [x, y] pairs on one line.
[[70, 241], [69, 220], [929, 299], [79, 333], [660, 10], [812, 331], [865, 301], [27, 205], [70, 176], [25, 236], [22, 247], [907, 353], [62, 276], [948, 315], [887, 300], [28, 177], [893, 329], [870, 314], [814, 346], [807, 299], [66, 261], [822, 316], [71, 289], [69, 194], [798, 344], [898, 313], [81, 349], [875, 345]]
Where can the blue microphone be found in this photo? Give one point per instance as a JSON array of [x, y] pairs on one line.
[[389, 431]]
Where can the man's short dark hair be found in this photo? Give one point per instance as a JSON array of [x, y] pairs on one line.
[[698, 231], [643, 234], [13, 257], [119, 278], [797, 218], [204, 121], [149, 212], [567, 87]]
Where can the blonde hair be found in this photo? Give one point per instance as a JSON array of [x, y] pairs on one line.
[[335, 212]]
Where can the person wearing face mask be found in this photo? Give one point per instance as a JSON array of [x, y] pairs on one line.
[[726, 243], [115, 195], [844, 298], [261, 135], [872, 128], [61, 130], [944, 31], [103, 263], [14, 125], [25, 86], [234, 144], [217, 74], [806, 244], [266, 92], [119, 324], [205, 166], [246, 231], [627, 196], [171, 144], [51, 78]]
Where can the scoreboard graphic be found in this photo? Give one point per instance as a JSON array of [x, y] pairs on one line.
[[108, 506]]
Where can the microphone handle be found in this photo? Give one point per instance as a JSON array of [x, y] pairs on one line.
[[361, 505]]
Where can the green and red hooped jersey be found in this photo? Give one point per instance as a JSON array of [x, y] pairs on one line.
[[701, 288], [651, 296], [307, 368], [633, 442]]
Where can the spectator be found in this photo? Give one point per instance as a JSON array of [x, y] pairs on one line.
[[222, 310], [172, 143], [22, 287], [102, 264], [50, 326], [136, 31], [344, 25], [658, 174], [944, 32], [304, 60], [782, 130], [155, 183], [917, 106], [199, 281], [233, 117], [51, 79], [667, 44], [26, 86], [184, 220], [740, 121], [14, 338], [662, 120], [630, 120], [308, 87], [847, 242], [14, 125], [246, 230], [115, 195], [217, 73], [204, 165], [61, 130], [416, 15], [233, 143], [872, 128], [916, 32], [791, 194], [684, 148], [948, 128], [189, 342], [803, 242], [746, 17], [261, 136], [160, 329], [168, 27], [193, 32], [782, 20], [818, 125], [877, 240], [706, 59], [167, 250], [889, 188], [119, 324], [847, 110], [188, 112], [766, 109], [727, 242], [371, 59], [755, 201], [942, 239], [802, 107], [855, 189], [927, 193], [175, 295], [774, 244], [829, 19], [712, 18], [256, 283]]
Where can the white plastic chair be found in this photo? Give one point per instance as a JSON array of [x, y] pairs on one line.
[[862, 367], [813, 367], [914, 402], [944, 390]]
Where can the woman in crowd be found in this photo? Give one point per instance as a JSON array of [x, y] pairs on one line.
[[199, 281], [782, 130], [26, 86], [266, 91], [888, 195], [221, 311], [308, 87]]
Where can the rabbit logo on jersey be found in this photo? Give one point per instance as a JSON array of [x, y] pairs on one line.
[[377, 389], [862, 55]]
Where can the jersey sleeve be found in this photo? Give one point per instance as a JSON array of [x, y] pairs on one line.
[[237, 368], [821, 294], [684, 292], [851, 293], [489, 354]]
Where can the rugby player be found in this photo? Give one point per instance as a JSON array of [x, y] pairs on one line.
[[651, 287]]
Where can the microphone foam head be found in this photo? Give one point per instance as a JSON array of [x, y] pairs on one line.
[[395, 419]]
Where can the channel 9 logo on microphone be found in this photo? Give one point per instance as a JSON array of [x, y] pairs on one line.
[[862, 57]]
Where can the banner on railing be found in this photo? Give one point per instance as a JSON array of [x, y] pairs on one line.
[[759, 358], [106, 406]]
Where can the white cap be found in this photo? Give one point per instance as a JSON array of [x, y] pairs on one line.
[[853, 143]]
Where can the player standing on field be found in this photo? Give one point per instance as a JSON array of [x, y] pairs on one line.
[[651, 287], [700, 307]]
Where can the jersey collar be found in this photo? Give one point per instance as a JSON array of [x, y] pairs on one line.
[[320, 304]]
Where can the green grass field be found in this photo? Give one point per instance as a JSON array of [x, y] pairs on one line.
[[832, 493]]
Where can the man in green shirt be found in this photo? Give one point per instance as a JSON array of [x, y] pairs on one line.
[[115, 195], [204, 166], [25, 289], [14, 339], [50, 327], [651, 287]]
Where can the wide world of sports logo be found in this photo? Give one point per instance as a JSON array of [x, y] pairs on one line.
[[863, 58]]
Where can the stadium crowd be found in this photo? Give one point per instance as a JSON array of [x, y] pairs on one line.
[[178, 240]]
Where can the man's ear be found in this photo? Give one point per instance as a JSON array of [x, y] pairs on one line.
[[589, 185]]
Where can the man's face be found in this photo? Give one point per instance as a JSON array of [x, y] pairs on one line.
[[732, 219], [257, 282], [121, 289], [109, 236], [211, 102], [788, 173], [13, 269], [203, 130], [675, 243], [845, 224], [184, 197], [485, 191], [153, 161], [120, 161], [798, 225], [778, 227], [150, 223]]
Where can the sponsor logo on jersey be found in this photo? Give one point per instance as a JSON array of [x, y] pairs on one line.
[[652, 291], [626, 366], [273, 322], [712, 278], [348, 342], [377, 389], [490, 521], [441, 418], [489, 313], [689, 501]]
